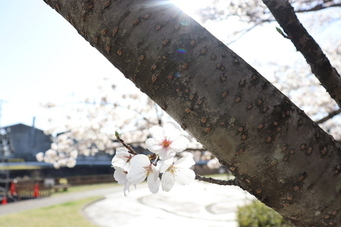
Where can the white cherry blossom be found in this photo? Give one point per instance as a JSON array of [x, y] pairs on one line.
[[177, 172], [56, 165], [166, 141], [122, 159], [71, 162], [120, 176], [40, 156], [74, 154], [142, 168]]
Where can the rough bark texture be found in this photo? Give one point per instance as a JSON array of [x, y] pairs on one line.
[[276, 152], [320, 66]]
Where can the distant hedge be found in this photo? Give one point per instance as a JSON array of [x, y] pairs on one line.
[[257, 214]]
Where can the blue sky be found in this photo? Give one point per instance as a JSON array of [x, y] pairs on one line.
[[42, 58]]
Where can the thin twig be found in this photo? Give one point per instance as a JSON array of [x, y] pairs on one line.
[[130, 149], [329, 116], [217, 181], [242, 33], [317, 8]]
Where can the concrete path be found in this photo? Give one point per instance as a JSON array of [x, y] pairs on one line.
[[53, 200], [199, 204]]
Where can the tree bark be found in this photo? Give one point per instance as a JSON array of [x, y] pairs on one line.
[[320, 65], [276, 152]]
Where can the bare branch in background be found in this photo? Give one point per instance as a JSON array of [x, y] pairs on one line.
[[329, 116], [318, 7], [320, 65]]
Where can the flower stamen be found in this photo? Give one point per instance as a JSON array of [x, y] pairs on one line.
[[166, 143]]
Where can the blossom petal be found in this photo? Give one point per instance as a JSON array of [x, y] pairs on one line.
[[121, 152], [180, 144], [138, 172], [184, 176], [154, 145], [171, 132], [120, 176], [165, 164], [136, 175], [157, 132], [166, 154], [153, 181], [121, 159], [167, 181], [140, 160], [126, 189], [117, 162], [185, 162]]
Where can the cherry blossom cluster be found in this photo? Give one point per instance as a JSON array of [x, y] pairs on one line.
[[159, 168], [58, 159], [61, 153]]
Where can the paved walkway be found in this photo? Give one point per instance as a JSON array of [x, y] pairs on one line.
[[199, 204], [53, 200]]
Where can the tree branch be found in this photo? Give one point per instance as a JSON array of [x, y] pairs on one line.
[[221, 100], [318, 7], [218, 181], [129, 148], [329, 116], [320, 66]]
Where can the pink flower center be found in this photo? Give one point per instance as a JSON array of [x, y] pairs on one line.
[[166, 143]]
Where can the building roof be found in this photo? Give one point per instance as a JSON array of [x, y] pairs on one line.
[[44, 165]]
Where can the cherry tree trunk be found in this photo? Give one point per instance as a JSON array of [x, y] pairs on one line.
[[276, 152]]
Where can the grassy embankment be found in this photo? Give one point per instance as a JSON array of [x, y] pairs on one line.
[[65, 214]]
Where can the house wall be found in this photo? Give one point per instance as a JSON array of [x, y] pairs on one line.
[[28, 141]]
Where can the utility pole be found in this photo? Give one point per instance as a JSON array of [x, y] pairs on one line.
[[5, 141], [0, 112], [1, 102], [2, 151]]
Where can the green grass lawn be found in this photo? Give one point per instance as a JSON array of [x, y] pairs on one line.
[[65, 214], [84, 188]]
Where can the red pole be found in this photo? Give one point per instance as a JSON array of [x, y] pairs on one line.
[[13, 189], [4, 200], [36, 191]]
